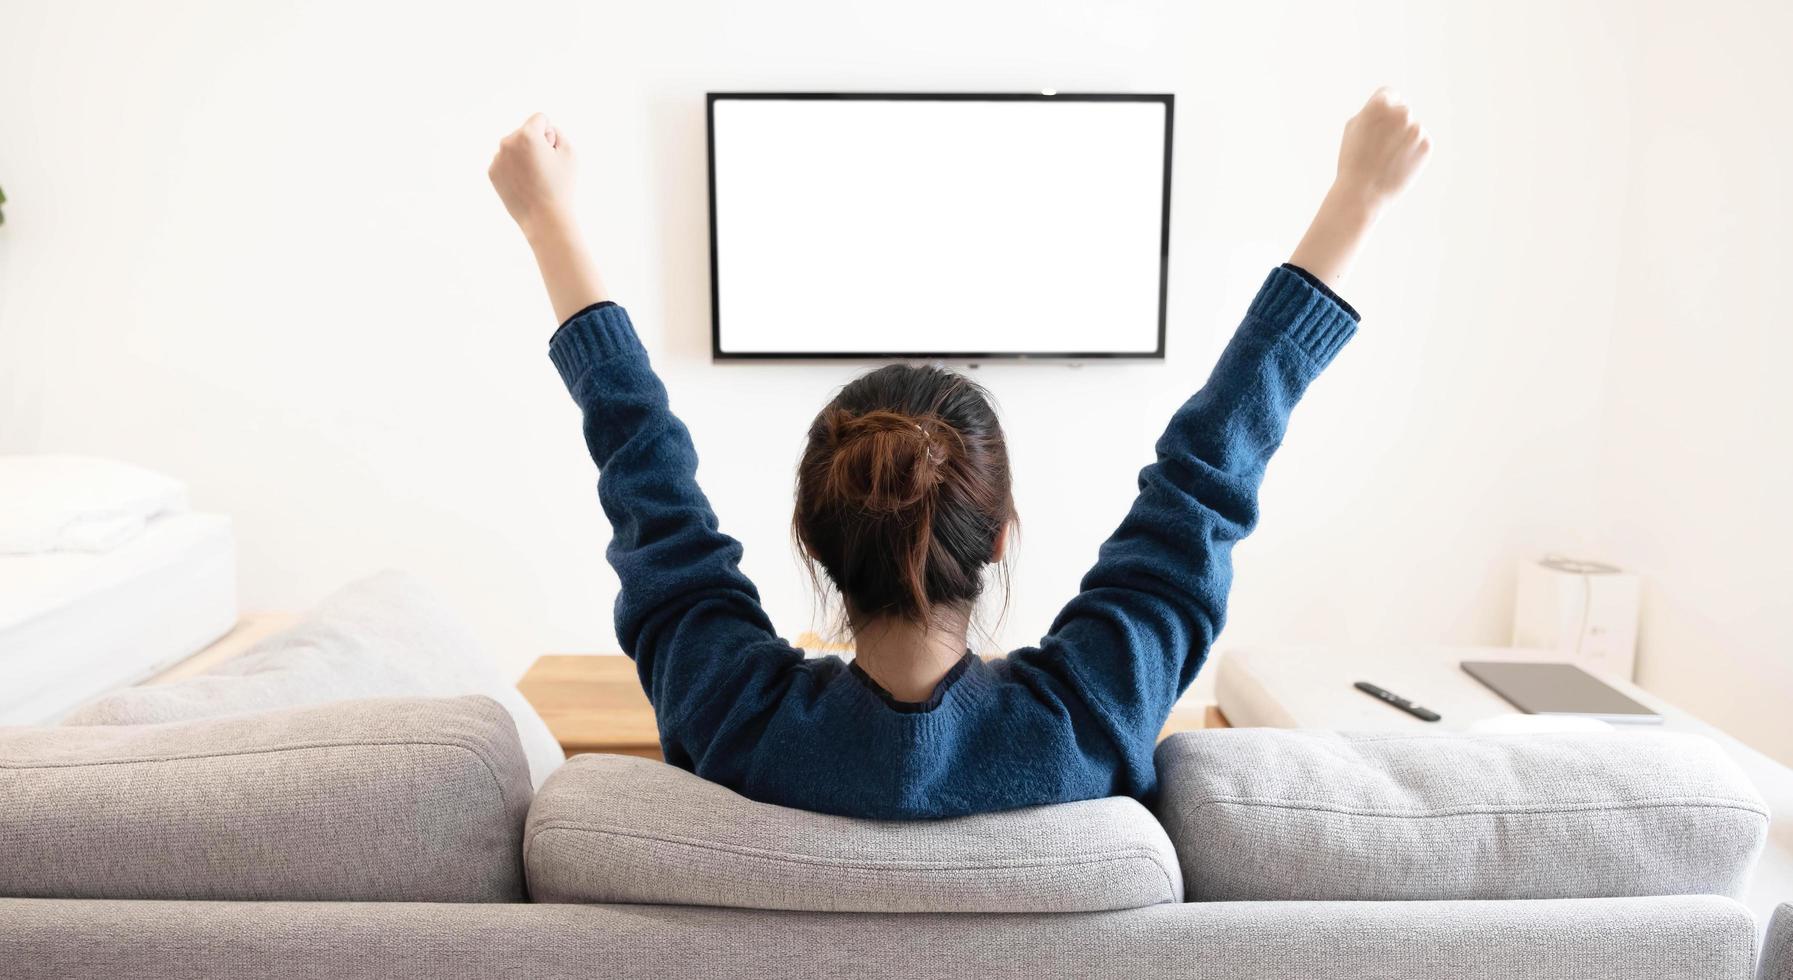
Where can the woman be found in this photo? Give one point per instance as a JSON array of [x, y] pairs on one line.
[[902, 500]]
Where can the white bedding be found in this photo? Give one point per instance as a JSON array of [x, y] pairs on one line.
[[75, 624], [79, 503]]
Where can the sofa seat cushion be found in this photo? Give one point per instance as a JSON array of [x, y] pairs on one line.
[[1679, 938], [620, 829], [379, 800], [1268, 814]]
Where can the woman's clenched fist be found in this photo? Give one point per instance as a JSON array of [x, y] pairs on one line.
[[1384, 147], [533, 174]]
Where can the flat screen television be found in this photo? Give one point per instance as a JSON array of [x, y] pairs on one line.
[[938, 225]]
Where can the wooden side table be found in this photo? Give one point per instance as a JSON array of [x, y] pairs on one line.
[[594, 703]]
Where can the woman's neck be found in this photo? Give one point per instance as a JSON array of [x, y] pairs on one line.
[[909, 659]]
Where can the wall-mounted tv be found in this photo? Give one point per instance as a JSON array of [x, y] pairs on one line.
[[938, 225]]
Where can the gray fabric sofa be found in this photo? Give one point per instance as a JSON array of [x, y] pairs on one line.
[[401, 838]]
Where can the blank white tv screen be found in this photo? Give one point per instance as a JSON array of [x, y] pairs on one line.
[[939, 225]]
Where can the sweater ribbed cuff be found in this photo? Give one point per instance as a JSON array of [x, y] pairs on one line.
[[1291, 307], [1314, 281], [597, 334]]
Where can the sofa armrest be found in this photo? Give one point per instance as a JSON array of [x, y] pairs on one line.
[[1271, 814]]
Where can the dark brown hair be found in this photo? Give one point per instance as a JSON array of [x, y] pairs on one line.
[[903, 491]]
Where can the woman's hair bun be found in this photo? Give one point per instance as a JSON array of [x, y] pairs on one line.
[[885, 461], [903, 491]]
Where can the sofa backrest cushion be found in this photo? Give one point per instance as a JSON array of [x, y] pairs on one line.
[[1267, 814], [621, 829], [380, 800]]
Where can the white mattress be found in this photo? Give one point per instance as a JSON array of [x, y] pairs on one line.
[[73, 625]]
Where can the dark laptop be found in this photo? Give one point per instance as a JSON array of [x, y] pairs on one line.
[[1558, 689]]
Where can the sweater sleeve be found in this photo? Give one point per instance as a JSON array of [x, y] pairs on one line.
[[685, 612], [1149, 609]]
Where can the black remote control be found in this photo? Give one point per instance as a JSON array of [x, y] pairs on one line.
[[1380, 694]]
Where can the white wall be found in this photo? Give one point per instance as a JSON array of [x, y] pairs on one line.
[[253, 245], [1696, 469]]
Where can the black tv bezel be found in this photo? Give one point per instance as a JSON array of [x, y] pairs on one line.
[[717, 353]]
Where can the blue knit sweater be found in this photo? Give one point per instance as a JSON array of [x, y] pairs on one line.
[[1074, 718]]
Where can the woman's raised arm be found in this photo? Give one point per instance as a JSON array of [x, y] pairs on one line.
[[1133, 638], [685, 612]]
